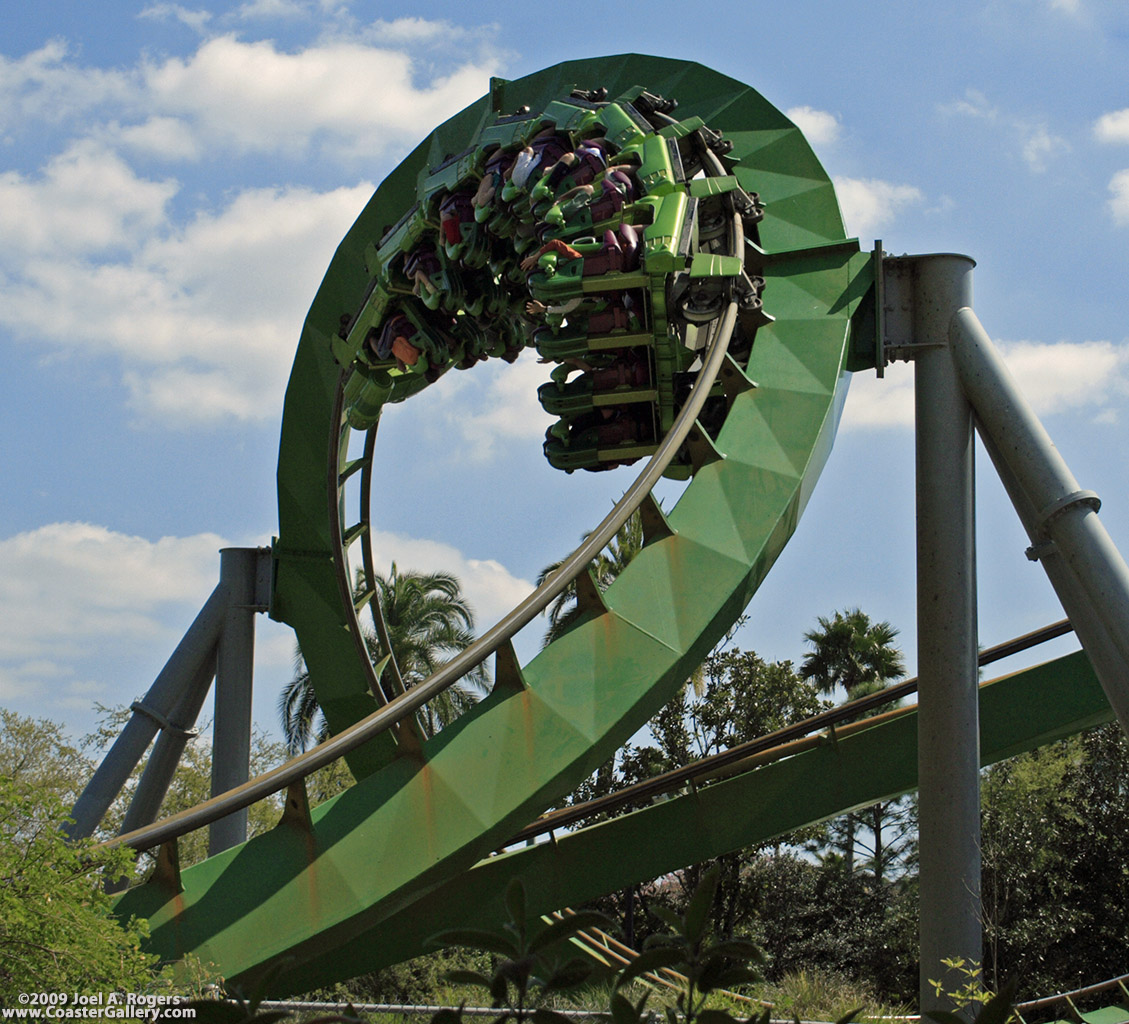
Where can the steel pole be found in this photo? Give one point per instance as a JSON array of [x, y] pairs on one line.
[[1061, 518], [162, 763], [1103, 653], [948, 708], [235, 664], [149, 714]]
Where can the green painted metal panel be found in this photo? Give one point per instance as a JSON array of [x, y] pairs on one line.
[[412, 822]]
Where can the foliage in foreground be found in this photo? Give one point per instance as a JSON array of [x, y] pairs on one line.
[[57, 932], [532, 965]]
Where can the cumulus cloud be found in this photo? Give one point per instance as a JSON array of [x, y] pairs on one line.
[[870, 204], [167, 138], [820, 128], [45, 87], [1040, 146], [1057, 377], [356, 95], [343, 96], [1119, 198], [204, 317], [74, 595], [73, 591], [489, 586], [973, 104], [86, 200], [1113, 127], [411, 30], [196, 20], [263, 9], [498, 403]]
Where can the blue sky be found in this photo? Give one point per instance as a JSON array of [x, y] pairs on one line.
[[174, 179]]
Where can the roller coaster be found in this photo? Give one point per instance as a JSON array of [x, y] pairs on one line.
[[670, 246]]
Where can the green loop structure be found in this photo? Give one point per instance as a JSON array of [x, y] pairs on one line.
[[324, 885]]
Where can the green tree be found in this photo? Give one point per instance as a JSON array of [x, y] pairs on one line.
[[1055, 855], [743, 697], [57, 928], [850, 651], [429, 621]]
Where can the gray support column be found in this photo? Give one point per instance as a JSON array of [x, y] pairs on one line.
[[161, 766], [1087, 624], [241, 573], [149, 714], [1061, 519], [948, 708]]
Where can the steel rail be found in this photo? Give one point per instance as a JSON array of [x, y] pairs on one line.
[[502, 632], [1102, 986], [777, 739]]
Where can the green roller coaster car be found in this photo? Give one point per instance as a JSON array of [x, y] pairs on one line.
[[591, 231]]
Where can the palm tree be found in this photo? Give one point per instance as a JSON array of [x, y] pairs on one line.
[[606, 566], [852, 652], [429, 621], [859, 655]]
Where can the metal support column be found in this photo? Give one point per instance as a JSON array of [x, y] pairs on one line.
[[161, 766], [948, 709], [1085, 568], [245, 573], [149, 714]]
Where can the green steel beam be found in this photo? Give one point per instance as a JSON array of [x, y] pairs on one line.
[[1018, 712], [415, 820]]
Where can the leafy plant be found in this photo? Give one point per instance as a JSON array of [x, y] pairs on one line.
[[531, 966], [707, 968], [993, 1008]]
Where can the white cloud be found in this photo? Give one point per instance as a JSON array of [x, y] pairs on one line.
[[205, 317], [1054, 378], [77, 595], [975, 104], [1068, 375], [1119, 201], [86, 200], [489, 587], [167, 138], [410, 30], [870, 204], [496, 403], [354, 95], [1040, 145], [1037, 144], [73, 588], [196, 20], [1113, 127], [44, 87], [350, 98], [820, 128], [257, 9]]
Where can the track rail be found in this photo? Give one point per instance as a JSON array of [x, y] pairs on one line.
[[731, 759], [405, 704]]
